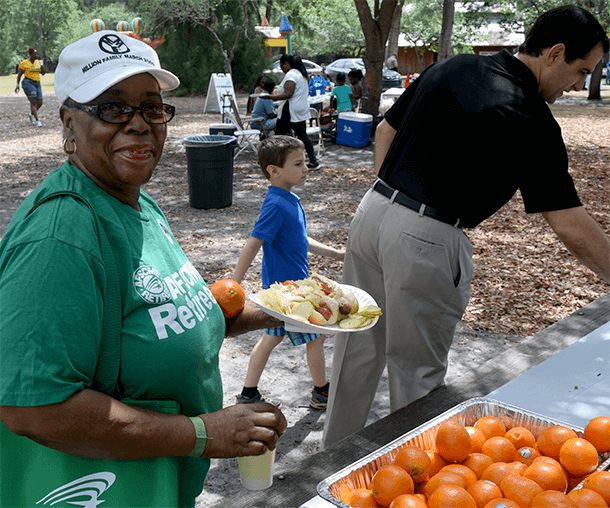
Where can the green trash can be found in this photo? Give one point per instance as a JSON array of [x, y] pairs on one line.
[[210, 170]]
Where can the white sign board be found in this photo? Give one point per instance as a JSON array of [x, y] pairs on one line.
[[220, 86]]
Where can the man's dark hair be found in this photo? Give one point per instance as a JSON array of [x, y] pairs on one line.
[[269, 86], [570, 25], [340, 78]]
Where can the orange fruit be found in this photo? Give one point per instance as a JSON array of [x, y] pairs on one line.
[[600, 483], [451, 496], [578, 456], [407, 501], [414, 461], [526, 455], [587, 498], [552, 499], [520, 437], [439, 479], [483, 491], [230, 296], [597, 432], [436, 462], [520, 467], [453, 441], [389, 482], [477, 438], [550, 441], [491, 426], [465, 472], [548, 476], [502, 503], [362, 498], [519, 489], [478, 463], [549, 460], [500, 449], [497, 471]]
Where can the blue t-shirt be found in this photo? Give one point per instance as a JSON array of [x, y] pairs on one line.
[[262, 109], [283, 229]]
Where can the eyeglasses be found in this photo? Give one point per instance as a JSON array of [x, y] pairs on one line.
[[116, 112]]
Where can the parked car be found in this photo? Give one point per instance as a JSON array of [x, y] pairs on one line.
[[391, 79], [313, 69]]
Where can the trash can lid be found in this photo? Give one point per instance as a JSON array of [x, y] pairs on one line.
[[208, 140]]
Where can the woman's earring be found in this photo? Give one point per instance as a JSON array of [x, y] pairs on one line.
[[66, 147]]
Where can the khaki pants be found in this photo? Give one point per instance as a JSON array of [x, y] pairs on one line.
[[419, 271]]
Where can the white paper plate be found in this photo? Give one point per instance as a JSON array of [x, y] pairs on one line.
[[292, 325]]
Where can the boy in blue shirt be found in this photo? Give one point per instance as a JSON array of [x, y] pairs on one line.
[[281, 230], [342, 94]]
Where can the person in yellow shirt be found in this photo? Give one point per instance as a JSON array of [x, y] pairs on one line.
[[31, 69]]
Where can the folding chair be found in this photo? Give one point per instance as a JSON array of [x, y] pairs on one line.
[[316, 130], [247, 137]]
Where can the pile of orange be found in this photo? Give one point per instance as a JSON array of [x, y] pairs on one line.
[[490, 466]]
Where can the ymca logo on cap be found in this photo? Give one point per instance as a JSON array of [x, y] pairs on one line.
[[113, 44]]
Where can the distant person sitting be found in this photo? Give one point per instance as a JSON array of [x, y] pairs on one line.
[[342, 94], [263, 108]]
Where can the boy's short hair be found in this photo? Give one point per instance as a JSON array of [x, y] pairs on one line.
[[275, 150], [269, 86], [341, 78]]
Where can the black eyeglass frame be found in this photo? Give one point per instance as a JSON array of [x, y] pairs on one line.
[[94, 109]]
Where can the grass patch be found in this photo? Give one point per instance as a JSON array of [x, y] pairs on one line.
[[8, 83]]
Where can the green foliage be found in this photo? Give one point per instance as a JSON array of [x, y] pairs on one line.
[[333, 27], [19, 29]]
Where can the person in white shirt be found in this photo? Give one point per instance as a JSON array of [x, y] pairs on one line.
[[293, 112]]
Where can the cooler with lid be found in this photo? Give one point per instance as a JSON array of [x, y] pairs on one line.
[[354, 129]]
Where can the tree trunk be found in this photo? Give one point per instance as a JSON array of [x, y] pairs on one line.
[[595, 82], [392, 46], [445, 50], [376, 28]]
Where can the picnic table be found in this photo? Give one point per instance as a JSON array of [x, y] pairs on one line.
[[585, 334]]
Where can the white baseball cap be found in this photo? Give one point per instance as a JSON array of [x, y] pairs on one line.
[[93, 64]]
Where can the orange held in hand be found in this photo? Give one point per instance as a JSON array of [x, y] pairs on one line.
[[230, 296]]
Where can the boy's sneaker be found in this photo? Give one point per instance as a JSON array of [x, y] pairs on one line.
[[38, 123], [313, 165], [31, 117], [318, 400], [242, 399]]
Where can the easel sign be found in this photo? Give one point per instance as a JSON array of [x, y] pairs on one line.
[[220, 86]]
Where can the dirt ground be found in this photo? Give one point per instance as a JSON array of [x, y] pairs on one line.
[[525, 279]]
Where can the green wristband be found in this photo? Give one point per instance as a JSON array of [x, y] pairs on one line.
[[201, 434]]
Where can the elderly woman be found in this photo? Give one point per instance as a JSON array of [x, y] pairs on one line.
[[115, 124], [293, 112]]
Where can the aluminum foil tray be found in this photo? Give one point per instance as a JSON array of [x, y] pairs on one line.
[[360, 473]]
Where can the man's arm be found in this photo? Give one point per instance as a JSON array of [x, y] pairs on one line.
[[583, 237], [384, 135], [252, 247]]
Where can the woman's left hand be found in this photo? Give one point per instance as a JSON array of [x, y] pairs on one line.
[[250, 319], [243, 429]]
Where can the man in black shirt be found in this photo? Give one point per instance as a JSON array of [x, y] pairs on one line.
[[406, 245]]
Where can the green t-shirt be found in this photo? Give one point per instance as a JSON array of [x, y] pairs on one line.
[[342, 93], [52, 281]]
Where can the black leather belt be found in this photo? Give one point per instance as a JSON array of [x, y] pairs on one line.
[[403, 199]]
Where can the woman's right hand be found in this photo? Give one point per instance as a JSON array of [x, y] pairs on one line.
[[242, 430]]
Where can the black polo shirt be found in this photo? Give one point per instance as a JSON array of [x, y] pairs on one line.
[[471, 131]]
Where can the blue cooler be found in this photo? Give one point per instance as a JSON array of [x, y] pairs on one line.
[[354, 129]]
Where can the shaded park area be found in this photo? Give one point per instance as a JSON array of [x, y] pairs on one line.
[[525, 279]]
